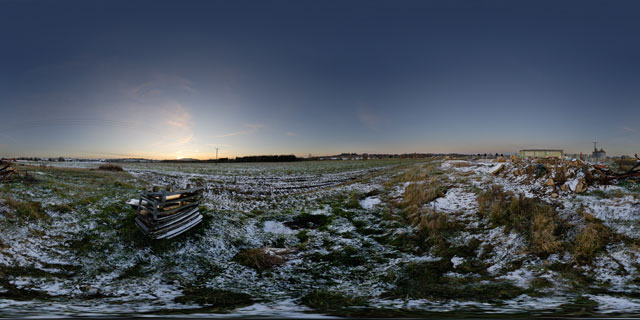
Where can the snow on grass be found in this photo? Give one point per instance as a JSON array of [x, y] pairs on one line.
[[246, 206], [525, 302], [456, 200], [622, 214], [507, 248], [520, 277], [610, 304]]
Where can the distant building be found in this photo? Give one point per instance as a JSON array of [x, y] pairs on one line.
[[599, 155], [540, 153]]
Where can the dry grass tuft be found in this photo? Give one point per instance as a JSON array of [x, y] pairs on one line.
[[543, 240], [26, 210], [593, 238], [625, 164], [537, 221], [417, 194], [431, 221], [261, 259], [460, 164], [414, 173]]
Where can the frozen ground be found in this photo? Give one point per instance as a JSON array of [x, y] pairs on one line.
[[342, 228]]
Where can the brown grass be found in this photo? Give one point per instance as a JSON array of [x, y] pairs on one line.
[[626, 164], [417, 194], [414, 173], [259, 259], [543, 240], [534, 219], [593, 238], [461, 164], [431, 221]]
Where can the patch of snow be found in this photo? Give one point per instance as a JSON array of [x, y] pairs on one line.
[[456, 261], [369, 203], [525, 302], [276, 227], [520, 277], [456, 199]]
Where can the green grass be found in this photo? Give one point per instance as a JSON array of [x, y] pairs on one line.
[[215, 298], [426, 280], [325, 300], [22, 211]]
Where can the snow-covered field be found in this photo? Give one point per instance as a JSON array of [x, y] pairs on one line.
[[343, 233]]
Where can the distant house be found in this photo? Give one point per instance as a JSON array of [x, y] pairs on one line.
[[540, 153]]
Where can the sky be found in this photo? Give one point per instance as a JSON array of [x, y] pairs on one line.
[[178, 79]]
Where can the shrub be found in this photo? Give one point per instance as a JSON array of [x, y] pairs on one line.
[[306, 220], [110, 167]]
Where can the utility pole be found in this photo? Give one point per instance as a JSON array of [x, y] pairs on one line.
[[594, 146], [216, 153]]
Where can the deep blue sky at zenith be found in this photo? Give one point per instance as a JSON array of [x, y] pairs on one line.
[[167, 79]]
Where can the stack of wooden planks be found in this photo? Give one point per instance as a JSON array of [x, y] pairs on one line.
[[165, 214]]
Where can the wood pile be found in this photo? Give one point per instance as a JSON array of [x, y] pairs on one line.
[[7, 170]]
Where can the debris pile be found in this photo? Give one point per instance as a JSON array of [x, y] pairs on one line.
[[7, 170], [164, 214], [559, 175]]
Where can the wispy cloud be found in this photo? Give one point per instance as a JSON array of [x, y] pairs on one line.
[[178, 126], [158, 85], [221, 145], [250, 128], [628, 129], [254, 126], [369, 117], [290, 134], [231, 134], [178, 117]]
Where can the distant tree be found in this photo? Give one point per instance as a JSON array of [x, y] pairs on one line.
[[61, 159]]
